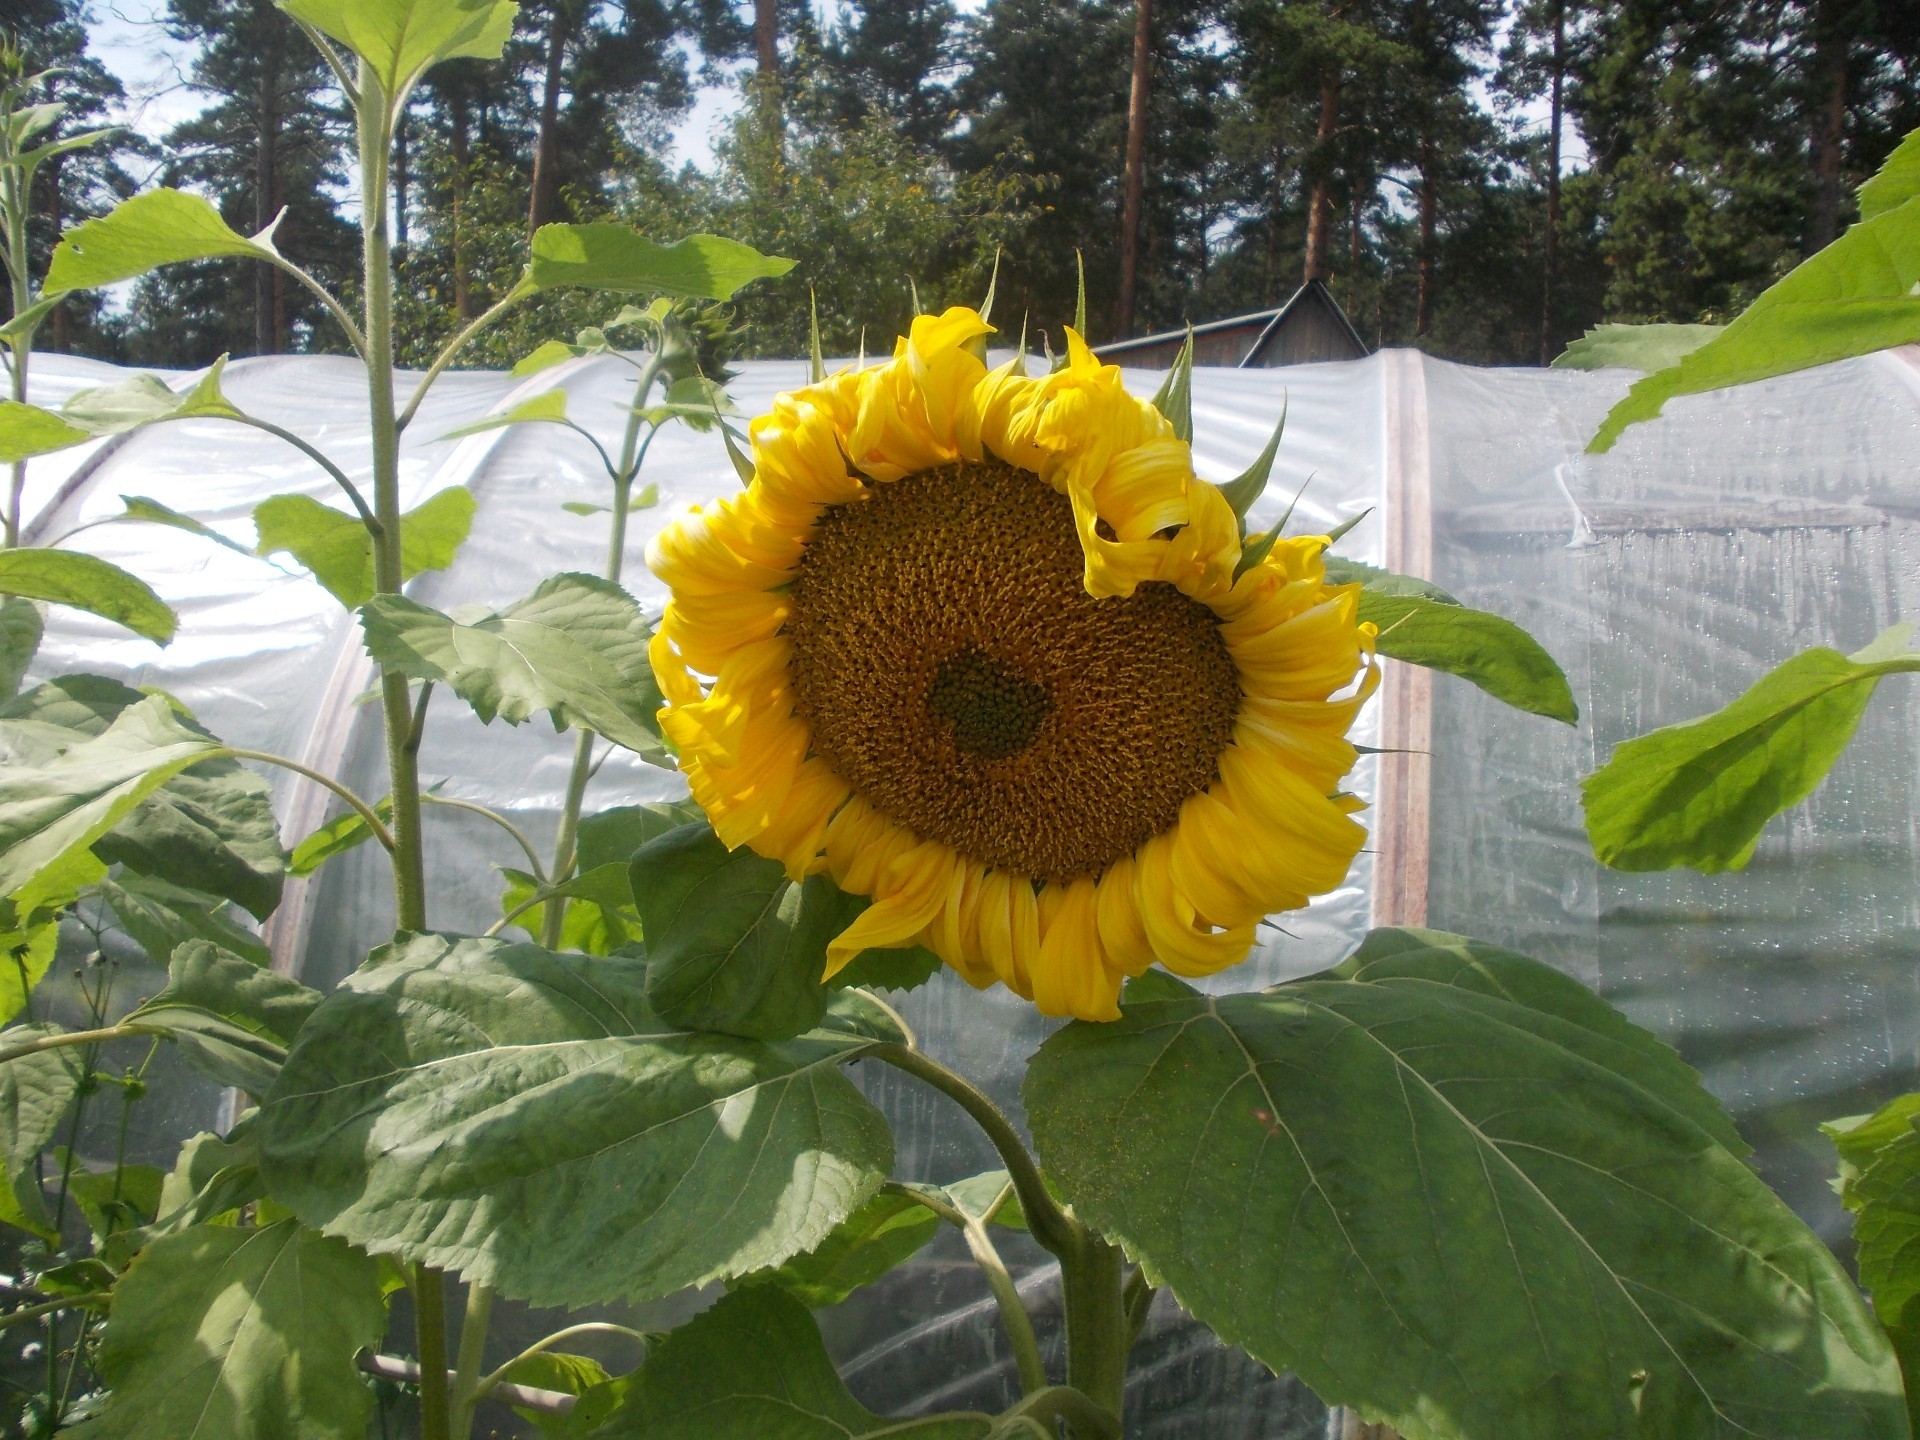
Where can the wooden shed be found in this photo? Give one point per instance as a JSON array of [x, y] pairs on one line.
[[1309, 327]]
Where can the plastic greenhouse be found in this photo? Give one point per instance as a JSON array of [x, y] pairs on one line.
[[1665, 577]]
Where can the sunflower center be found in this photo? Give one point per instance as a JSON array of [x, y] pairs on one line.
[[953, 670]]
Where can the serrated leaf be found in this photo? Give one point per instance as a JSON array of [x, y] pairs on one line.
[[549, 407], [210, 1180], [735, 946], [147, 400], [886, 1232], [576, 648], [158, 227], [454, 1096], [608, 257], [1634, 347], [27, 430], [1423, 625], [344, 832], [224, 1333], [338, 550], [20, 632], [53, 812], [36, 1091], [86, 582], [1700, 793], [1852, 298], [402, 39], [1322, 1170], [1896, 182], [232, 1019], [1174, 400], [753, 1368], [160, 917]]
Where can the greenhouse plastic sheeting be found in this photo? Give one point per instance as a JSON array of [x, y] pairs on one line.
[[1665, 576]]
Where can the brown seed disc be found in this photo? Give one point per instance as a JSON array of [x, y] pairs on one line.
[[954, 671]]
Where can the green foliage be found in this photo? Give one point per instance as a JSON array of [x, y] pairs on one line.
[[1439, 1113], [233, 1018], [1897, 182], [576, 648], [735, 946], [754, 1368], [226, 1333], [1700, 793], [36, 1092], [338, 548], [454, 1097], [1175, 397], [346, 831], [621, 261], [160, 917], [401, 39], [1423, 625], [20, 632], [85, 582], [1634, 347], [159, 227], [27, 430], [886, 1232], [1880, 1184], [147, 400]]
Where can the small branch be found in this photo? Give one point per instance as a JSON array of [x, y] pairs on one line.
[[77, 1037], [1136, 1298], [452, 348], [355, 337], [360, 807], [466, 1366], [417, 731], [339, 475], [552, 1402], [70, 1302], [913, 1041], [331, 56], [519, 835], [1090, 1421], [491, 1384], [1051, 1226]]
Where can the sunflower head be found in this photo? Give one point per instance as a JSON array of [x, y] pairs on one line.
[[981, 646]]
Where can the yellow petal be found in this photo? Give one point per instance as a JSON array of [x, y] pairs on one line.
[[1071, 976], [912, 894]]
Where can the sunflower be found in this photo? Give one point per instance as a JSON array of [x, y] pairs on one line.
[[981, 646]]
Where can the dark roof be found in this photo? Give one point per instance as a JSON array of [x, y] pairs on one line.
[[1266, 326]]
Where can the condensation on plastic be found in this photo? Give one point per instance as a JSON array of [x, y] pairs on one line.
[[1665, 577]]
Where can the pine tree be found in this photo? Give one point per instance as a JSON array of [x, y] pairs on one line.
[[893, 59]]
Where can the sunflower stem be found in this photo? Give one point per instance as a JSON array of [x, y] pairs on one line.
[[1098, 1332]]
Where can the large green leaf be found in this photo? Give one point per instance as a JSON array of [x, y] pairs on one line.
[[604, 256], [523, 1117], [1880, 1184], [735, 946], [36, 1092], [1462, 1200], [1700, 793], [146, 400], [401, 39], [51, 812], [159, 227], [1852, 298], [27, 430], [160, 917], [576, 648], [338, 549], [1423, 625], [20, 632], [600, 916], [209, 829], [753, 1368], [224, 1333], [86, 582], [886, 1232], [1897, 182], [345, 831], [232, 1019], [1634, 347]]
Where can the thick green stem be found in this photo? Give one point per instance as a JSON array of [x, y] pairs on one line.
[[20, 344], [1098, 1333], [473, 1347], [430, 1338]]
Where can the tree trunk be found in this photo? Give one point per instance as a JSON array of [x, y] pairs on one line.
[[462, 287], [1137, 100], [1320, 205], [1832, 38], [1429, 213], [766, 38], [265, 170], [546, 151], [1552, 248]]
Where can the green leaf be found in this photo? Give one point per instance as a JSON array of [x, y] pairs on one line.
[[147, 400], [69, 577], [1699, 793], [113, 1201], [1423, 625], [223, 1333], [698, 401], [1320, 1171], [1634, 347], [455, 1098], [232, 1019], [344, 832], [1881, 1186], [1175, 396], [210, 1180], [1897, 182], [1250, 484], [159, 227], [160, 917], [27, 430], [51, 811], [735, 946], [886, 1232], [1852, 298], [549, 407], [905, 968], [25, 323], [576, 648], [36, 1091], [753, 1368], [608, 257], [20, 632], [402, 39], [600, 916], [140, 507], [546, 355], [338, 550], [209, 829]]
